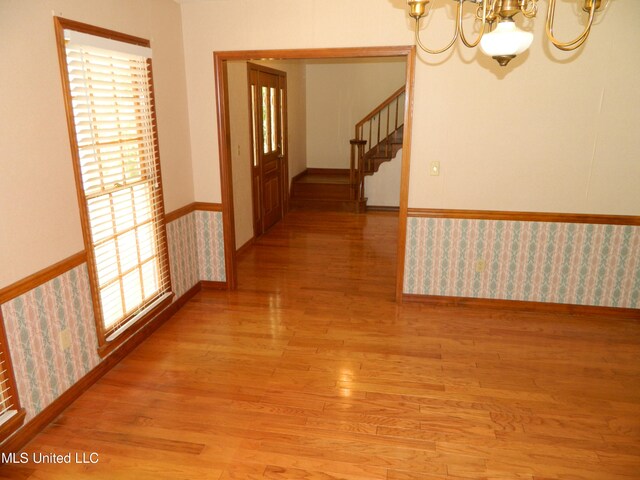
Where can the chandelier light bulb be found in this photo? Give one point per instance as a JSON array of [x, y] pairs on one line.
[[505, 42]]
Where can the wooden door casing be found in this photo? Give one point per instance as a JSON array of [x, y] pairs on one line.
[[267, 93]]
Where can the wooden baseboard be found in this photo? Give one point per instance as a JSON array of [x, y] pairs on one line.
[[209, 285], [246, 246], [186, 296], [301, 174], [524, 306], [382, 208], [46, 416]]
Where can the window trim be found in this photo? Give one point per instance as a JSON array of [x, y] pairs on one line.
[[11, 425], [109, 340]]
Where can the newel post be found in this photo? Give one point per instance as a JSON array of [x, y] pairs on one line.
[[356, 173]]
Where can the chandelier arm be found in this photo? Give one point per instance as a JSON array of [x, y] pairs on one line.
[[530, 9], [573, 44], [436, 52], [482, 27]]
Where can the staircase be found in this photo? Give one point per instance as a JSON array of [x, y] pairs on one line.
[[322, 189], [384, 151], [378, 138]]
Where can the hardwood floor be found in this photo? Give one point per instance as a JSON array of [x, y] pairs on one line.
[[311, 371]]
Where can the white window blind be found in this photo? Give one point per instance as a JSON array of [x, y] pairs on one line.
[[110, 89], [8, 403]]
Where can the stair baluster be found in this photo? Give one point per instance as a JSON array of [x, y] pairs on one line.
[[368, 154]]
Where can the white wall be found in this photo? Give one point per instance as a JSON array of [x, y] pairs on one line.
[[553, 131], [382, 189], [339, 94], [39, 215]]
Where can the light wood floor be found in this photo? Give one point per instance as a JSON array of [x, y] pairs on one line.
[[311, 371]]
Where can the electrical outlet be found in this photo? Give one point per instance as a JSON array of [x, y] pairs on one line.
[[434, 169], [65, 339], [481, 266]]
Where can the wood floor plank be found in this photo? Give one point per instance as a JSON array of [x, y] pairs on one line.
[[310, 370]]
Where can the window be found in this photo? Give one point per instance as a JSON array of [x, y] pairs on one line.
[[11, 415], [110, 108]]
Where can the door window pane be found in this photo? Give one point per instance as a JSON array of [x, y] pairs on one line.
[[282, 100], [274, 130], [265, 118]]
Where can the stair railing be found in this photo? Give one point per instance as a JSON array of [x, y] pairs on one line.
[[373, 132]]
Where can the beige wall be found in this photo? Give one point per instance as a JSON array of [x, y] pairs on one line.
[[554, 131], [339, 94], [240, 151], [39, 219], [241, 135]]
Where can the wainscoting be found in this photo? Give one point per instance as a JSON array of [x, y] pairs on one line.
[[311, 370], [50, 327], [196, 249], [556, 261], [52, 338]]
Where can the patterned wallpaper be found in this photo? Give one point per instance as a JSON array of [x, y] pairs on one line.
[[210, 240], [572, 263], [183, 254], [52, 338], [51, 329]]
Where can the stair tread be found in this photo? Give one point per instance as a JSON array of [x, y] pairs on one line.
[[324, 179]]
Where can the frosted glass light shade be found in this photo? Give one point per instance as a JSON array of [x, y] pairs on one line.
[[506, 40]]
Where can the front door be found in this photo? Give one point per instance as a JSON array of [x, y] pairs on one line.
[[269, 163]]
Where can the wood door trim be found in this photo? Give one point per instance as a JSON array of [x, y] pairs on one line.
[[286, 184], [256, 205], [220, 59], [226, 180], [404, 174], [263, 68], [315, 53]]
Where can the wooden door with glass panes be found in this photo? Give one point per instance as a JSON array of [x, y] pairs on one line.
[[267, 92]]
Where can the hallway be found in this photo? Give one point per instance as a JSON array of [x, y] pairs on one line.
[[310, 370]]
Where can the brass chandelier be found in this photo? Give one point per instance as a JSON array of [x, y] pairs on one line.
[[503, 40]]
